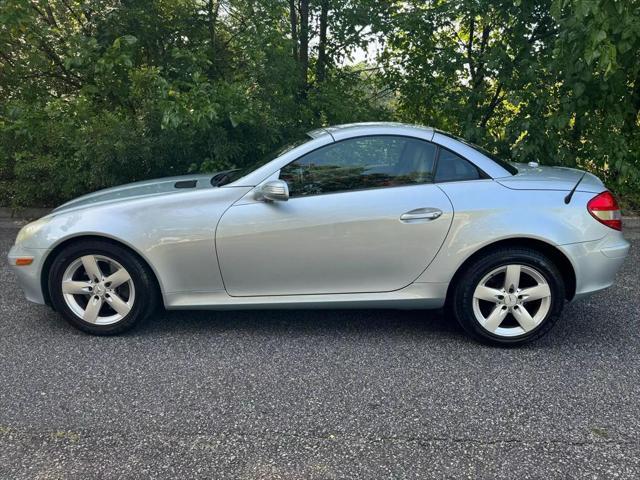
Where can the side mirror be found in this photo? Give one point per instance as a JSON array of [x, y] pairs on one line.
[[274, 190]]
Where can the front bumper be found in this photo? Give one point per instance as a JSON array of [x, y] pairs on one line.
[[29, 275], [596, 263]]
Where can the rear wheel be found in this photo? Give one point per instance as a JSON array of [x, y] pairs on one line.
[[101, 288], [509, 297]]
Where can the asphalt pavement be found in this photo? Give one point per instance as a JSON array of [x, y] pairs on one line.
[[319, 394]]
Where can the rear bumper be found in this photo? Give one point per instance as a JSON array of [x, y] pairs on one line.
[[596, 263], [29, 275]]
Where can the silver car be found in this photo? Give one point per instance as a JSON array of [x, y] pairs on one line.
[[363, 215]]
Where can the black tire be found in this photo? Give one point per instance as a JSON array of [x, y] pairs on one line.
[[462, 298], [146, 291]]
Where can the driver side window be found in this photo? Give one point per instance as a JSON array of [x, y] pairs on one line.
[[361, 163]]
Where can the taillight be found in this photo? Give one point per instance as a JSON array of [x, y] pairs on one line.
[[604, 208]]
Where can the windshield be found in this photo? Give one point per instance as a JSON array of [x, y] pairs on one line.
[[236, 174], [504, 164]]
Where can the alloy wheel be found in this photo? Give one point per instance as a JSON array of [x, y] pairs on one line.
[[512, 300], [98, 290]]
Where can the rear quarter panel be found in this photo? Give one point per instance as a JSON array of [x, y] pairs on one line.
[[486, 212]]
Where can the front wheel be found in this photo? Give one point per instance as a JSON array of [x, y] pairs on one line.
[[509, 297], [100, 287]]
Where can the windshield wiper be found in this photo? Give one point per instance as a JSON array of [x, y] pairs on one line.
[[222, 178]]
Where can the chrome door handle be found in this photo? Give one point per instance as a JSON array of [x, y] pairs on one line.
[[421, 214]]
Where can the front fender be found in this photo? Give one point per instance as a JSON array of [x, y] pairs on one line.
[[173, 234]]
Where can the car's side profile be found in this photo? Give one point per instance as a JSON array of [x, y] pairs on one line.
[[372, 215]]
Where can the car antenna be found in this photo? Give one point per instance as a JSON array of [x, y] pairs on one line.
[[567, 199]]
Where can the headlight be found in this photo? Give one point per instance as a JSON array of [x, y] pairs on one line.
[[30, 229]]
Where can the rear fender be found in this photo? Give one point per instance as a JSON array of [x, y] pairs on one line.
[[485, 212]]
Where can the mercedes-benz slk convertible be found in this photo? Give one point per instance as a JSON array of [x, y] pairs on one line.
[[362, 215]]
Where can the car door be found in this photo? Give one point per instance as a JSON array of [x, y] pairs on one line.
[[363, 216]]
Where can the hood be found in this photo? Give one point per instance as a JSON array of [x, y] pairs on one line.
[[551, 178], [167, 185]]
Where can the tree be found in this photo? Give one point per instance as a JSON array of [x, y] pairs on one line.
[[101, 92], [455, 63], [597, 65], [551, 81]]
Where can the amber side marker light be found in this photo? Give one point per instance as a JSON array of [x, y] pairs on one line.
[[24, 261]]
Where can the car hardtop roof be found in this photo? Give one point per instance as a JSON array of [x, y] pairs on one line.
[[374, 128]]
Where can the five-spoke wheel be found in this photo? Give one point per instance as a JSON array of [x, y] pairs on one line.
[[98, 289], [509, 297], [512, 300], [101, 287]]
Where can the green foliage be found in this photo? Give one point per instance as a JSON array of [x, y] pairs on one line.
[[555, 81], [98, 93], [95, 93]]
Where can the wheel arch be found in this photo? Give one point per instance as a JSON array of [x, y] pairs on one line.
[[51, 256], [555, 255]]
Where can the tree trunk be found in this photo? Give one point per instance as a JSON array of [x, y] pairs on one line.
[[293, 18], [212, 11], [631, 119], [495, 101], [304, 46], [321, 65], [576, 135], [469, 47], [52, 19]]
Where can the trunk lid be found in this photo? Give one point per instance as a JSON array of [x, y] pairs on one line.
[[551, 178]]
